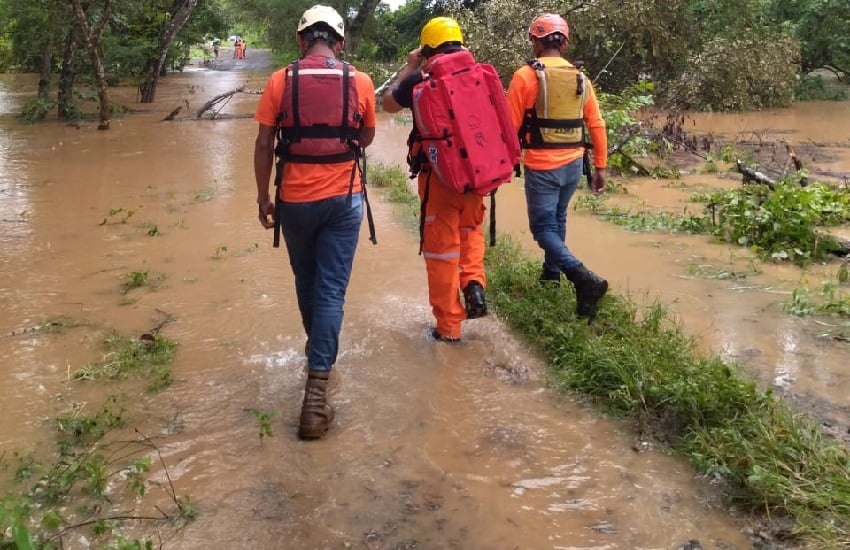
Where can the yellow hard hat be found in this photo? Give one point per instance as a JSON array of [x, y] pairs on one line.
[[438, 31]]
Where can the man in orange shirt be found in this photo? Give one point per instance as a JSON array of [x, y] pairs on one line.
[[323, 112], [452, 233], [551, 101]]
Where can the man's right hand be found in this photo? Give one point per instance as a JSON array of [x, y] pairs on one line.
[[414, 59], [266, 212], [598, 180]]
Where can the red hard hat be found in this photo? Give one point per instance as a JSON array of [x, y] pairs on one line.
[[548, 23]]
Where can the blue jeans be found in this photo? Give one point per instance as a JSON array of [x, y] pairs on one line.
[[321, 238], [547, 195]]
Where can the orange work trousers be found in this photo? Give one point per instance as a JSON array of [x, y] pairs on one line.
[[453, 248]]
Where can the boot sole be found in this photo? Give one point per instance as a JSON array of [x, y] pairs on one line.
[[476, 312]]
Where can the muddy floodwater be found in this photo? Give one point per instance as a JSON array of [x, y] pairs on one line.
[[435, 446]]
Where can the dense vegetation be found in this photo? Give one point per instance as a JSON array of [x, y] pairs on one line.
[[702, 54]]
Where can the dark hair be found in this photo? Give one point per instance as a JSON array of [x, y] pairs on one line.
[[554, 40], [445, 47], [320, 32]]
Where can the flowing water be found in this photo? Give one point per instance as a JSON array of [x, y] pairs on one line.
[[434, 446]]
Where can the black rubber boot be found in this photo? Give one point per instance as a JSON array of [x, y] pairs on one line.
[[549, 278], [316, 413], [590, 288], [473, 295], [440, 338]]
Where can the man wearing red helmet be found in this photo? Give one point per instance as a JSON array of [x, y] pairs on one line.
[[551, 102]]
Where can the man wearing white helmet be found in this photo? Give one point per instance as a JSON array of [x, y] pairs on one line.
[[322, 113]]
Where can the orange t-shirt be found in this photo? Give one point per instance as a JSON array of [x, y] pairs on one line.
[[522, 94], [313, 182]]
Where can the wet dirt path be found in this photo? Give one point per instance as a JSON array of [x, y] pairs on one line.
[[435, 446]]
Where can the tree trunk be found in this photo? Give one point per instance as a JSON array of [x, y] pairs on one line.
[[44, 74], [355, 32], [181, 12], [91, 38], [68, 74]]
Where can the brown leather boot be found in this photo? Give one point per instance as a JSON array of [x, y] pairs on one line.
[[316, 413]]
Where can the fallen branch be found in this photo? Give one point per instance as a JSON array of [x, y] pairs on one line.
[[844, 246], [216, 100], [752, 176], [624, 140], [176, 111], [798, 165], [639, 168]]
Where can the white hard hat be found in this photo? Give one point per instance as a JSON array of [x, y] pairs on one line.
[[322, 14]]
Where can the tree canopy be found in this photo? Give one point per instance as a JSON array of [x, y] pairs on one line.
[[702, 54]]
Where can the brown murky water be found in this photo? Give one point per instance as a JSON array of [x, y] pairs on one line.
[[435, 446]]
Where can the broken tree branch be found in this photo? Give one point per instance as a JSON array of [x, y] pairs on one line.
[[798, 165], [752, 176], [216, 100]]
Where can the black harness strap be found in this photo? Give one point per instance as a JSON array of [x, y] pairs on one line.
[[295, 133], [369, 219], [278, 177], [493, 217], [345, 86]]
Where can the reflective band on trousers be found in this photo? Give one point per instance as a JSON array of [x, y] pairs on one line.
[[444, 256]]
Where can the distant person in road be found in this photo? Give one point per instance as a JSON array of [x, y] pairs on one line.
[[216, 44], [239, 51], [552, 134], [319, 201], [452, 234]]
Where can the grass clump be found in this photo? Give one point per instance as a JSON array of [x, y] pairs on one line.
[[639, 364], [397, 188], [72, 493], [147, 357]]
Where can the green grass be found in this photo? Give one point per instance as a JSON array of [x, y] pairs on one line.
[[637, 363], [125, 357]]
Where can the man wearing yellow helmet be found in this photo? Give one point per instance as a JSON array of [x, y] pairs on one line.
[[452, 237], [551, 101], [322, 112]]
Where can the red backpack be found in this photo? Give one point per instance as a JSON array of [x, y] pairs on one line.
[[464, 125]]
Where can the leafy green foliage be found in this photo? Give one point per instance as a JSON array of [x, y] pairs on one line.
[[37, 109], [821, 27], [742, 72], [117, 215], [814, 87], [134, 279], [264, 422], [832, 300], [783, 223]]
